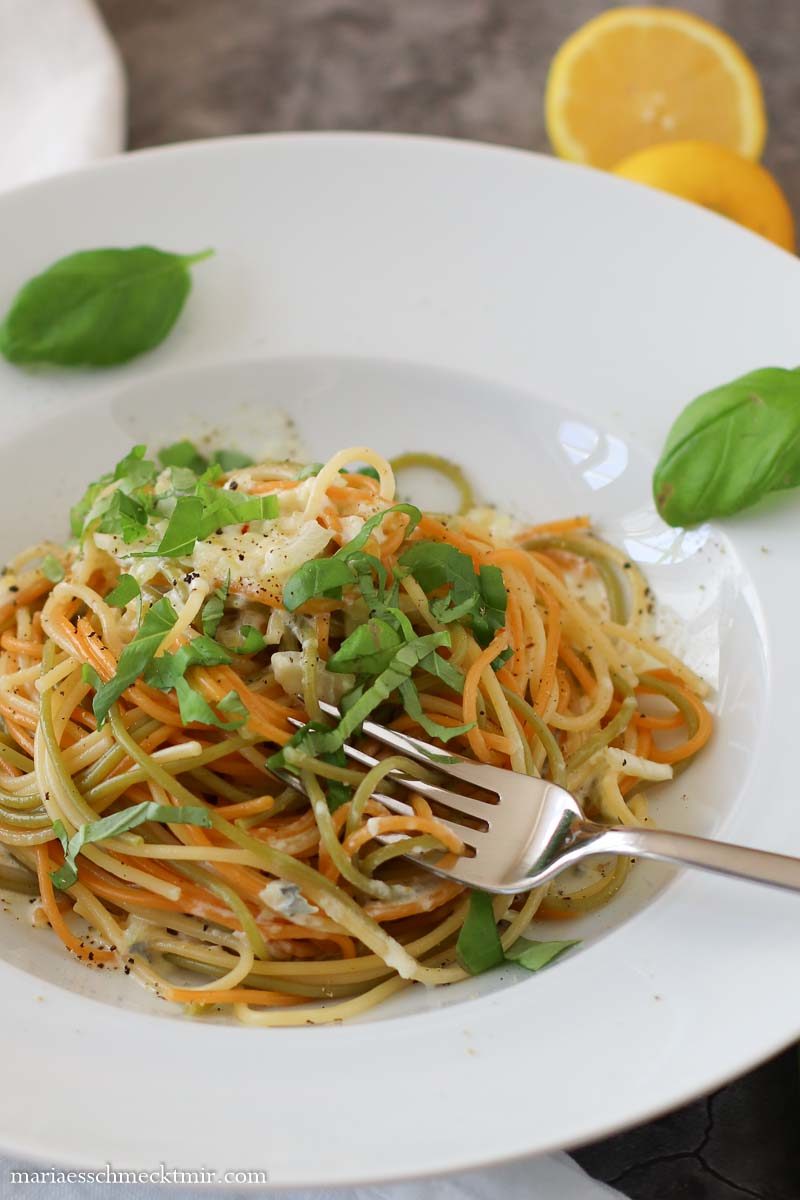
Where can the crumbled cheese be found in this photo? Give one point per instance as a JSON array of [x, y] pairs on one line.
[[286, 898]]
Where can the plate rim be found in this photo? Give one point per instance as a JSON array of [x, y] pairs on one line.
[[202, 148]]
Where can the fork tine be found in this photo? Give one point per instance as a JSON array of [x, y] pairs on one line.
[[481, 774], [467, 805], [464, 805]]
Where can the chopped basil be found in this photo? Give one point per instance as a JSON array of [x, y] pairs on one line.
[[310, 469], [52, 569], [136, 656], [113, 826], [479, 947], [194, 708], [479, 597], [164, 672], [368, 650], [232, 703], [183, 454], [195, 518], [336, 793], [134, 470], [396, 673], [133, 473], [321, 576], [534, 955], [168, 673], [413, 706], [180, 536], [90, 676], [125, 517], [127, 589], [231, 460], [251, 641], [214, 608]]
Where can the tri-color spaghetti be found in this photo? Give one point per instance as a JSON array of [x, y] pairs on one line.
[[156, 663]]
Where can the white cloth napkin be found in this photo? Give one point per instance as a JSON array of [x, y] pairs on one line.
[[62, 104], [62, 89]]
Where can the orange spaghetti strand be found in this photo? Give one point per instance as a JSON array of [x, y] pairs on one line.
[[231, 996], [57, 922], [545, 688], [566, 526], [475, 736], [582, 674], [705, 723]]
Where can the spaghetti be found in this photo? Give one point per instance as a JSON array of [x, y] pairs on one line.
[[153, 673]]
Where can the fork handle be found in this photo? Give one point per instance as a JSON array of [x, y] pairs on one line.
[[741, 862]]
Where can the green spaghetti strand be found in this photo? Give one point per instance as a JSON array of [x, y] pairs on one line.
[[555, 758], [584, 549], [443, 466]]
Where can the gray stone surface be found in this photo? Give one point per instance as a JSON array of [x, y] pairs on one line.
[[475, 69], [464, 68]]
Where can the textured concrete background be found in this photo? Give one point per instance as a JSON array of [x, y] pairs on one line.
[[465, 68], [474, 69]]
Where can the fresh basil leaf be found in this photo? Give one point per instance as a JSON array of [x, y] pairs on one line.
[[127, 589], [371, 471], [136, 656], [113, 826], [413, 706], [97, 307], [479, 948], [368, 650], [52, 569], [535, 955], [193, 708], [183, 454], [731, 447], [125, 517], [231, 460], [214, 608], [321, 576]]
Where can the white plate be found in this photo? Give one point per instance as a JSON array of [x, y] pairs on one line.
[[542, 324]]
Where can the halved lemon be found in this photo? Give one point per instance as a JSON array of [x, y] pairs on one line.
[[634, 77], [718, 179]]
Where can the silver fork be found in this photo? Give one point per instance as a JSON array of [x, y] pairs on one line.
[[536, 829]]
